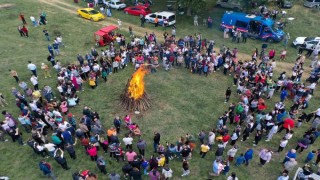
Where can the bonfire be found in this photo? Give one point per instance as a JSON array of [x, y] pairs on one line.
[[135, 98]]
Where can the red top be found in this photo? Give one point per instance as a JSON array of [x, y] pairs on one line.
[[226, 138], [92, 151], [288, 122]]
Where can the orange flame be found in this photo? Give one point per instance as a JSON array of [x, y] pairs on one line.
[[136, 86]]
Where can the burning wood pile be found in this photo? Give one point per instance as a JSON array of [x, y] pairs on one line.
[[134, 97]]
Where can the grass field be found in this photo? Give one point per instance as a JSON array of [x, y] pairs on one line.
[[182, 103]]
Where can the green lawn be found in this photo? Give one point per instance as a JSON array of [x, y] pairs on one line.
[[181, 102]]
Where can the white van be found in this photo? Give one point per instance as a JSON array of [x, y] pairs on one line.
[[170, 16]]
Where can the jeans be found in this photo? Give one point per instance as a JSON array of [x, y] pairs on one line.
[[51, 175], [34, 72], [155, 147]]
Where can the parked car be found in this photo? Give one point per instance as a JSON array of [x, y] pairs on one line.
[[170, 16], [312, 3], [91, 14], [300, 175], [309, 43], [116, 4], [230, 4], [286, 4], [137, 10], [255, 26]]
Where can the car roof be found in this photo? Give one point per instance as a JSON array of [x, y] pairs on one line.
[[87, 9], [246, 17], [164, 13]]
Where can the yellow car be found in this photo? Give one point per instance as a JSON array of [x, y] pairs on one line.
[[91, 14]]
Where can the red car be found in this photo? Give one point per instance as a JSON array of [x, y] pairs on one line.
[[137, 10]]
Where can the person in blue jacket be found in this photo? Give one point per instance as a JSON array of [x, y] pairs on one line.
[[46, 169], [248, 155]]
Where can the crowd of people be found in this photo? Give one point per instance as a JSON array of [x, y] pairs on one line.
[[46, 115]]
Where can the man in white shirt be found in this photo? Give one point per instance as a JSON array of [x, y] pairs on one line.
[[33, 68], [34, 81]]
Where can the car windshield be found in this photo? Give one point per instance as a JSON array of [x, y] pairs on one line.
[[309, 38], [310, 0], [117, 3], [93, 12]]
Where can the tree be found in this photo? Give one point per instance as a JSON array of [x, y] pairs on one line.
[[193, 6]]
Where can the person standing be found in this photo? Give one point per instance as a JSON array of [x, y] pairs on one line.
[[185, 167], [265, 156], [70, 149], [142, 20], [33, 20], [119, 23], [128, 141], [46, 34], [25, 31], [156, 21], [46, 168], [131, 31], [117, 124], [33, 68], [195, 20], [233, 176], [20, 31], [14, 74], [156, 141], [204, 148], [141, 145], [228, 94], [45, 69], [232, 153], [239, 35], [50, 49], [34, 81], [93, 152], [61, 159], [248, 155], [101, 164], [22, 18], [244, 36]]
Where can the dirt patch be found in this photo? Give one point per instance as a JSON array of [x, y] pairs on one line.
[[6, 6]]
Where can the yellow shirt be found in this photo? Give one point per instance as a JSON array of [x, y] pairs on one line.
[[161, 161], [204, 148]]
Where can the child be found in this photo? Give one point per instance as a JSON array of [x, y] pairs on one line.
[[257, 138], [145, 165], [310, 156], [283, 144], [226, 168], [283, 54], [240, 160]]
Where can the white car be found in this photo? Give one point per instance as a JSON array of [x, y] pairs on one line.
[[169, 16], [116, 4], [307, 42]]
